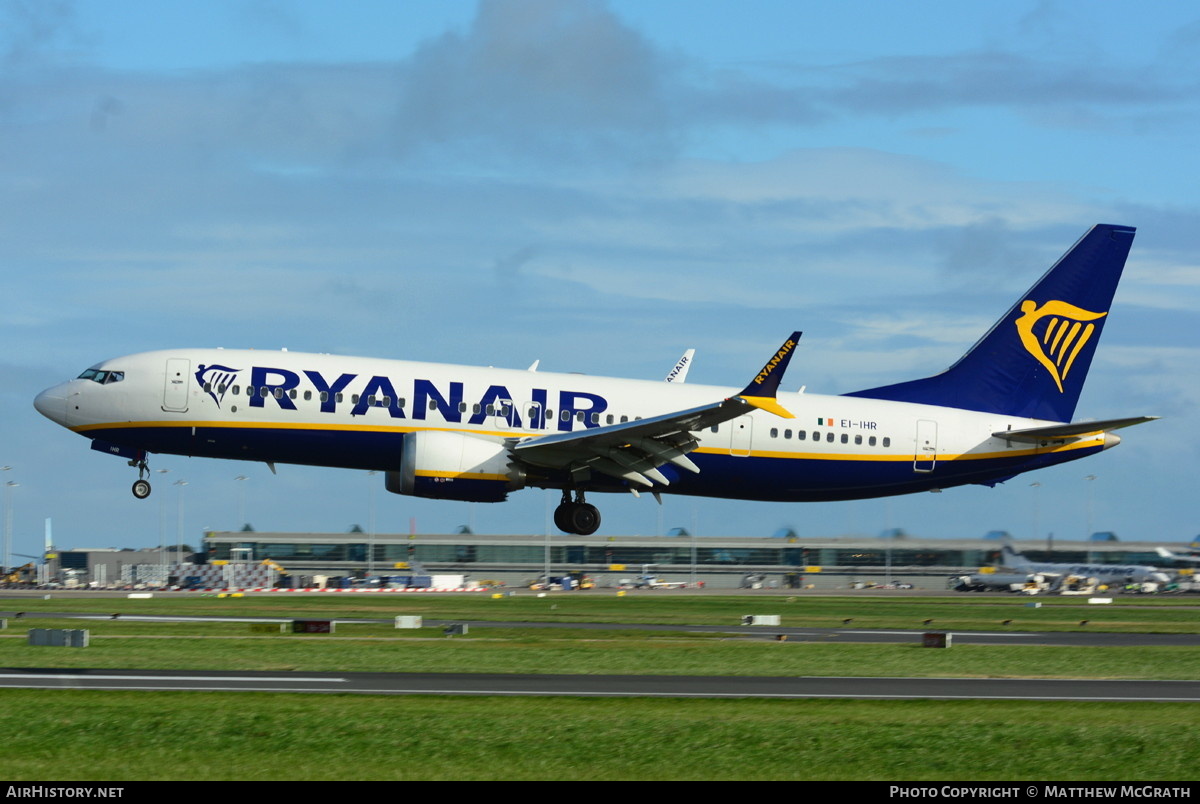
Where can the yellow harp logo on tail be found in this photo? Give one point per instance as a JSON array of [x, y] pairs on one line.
[[1055, 334]]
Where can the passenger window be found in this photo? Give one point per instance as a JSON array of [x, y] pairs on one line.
[[433, 404], [858, 439], [307, 395], [608, 419], [845, 438], [887, 442], [774, 432], [566, 416], [801, 435], [871, 441], [829, 437], [787, 433], [624, 419], [324, 396]]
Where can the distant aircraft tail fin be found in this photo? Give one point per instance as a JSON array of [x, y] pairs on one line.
[[1033, 361], [1011, 558]]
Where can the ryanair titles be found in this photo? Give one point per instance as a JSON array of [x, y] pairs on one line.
[[447, 401], [783, 352]]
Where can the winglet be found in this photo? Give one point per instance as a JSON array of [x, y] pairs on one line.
[[762, 389], [679, 373]]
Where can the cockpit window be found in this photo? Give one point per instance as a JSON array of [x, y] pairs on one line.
[[102, 377]]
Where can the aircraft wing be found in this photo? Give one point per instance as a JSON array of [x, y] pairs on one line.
[[1065, 431], [634, 450]]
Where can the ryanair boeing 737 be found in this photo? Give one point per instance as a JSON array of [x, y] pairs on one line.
[[476, 434]]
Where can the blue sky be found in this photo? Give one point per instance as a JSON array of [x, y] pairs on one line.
[[598, 186]]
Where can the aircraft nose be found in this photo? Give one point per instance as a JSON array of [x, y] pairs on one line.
[[52, 403]]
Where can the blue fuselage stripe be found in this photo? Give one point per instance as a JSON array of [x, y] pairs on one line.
[[756, 477]]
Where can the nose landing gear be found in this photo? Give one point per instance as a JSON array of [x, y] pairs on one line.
[[576, 516]]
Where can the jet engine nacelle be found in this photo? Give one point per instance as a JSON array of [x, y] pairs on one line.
[[453, 466]]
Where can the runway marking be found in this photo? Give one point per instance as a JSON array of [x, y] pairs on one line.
[[89, 677], [544, 694], [156, 618], [892, 697], [953, 633]]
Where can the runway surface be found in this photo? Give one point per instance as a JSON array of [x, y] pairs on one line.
[[600, 686], [890, 635]]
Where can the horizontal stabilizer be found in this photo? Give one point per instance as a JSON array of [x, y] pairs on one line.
[[1065, 431]]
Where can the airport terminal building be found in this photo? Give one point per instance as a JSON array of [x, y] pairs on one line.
[[726, 562]]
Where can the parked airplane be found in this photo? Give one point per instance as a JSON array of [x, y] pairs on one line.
[[1192, 557], [994, 581], [1104, 573], [476, 434]]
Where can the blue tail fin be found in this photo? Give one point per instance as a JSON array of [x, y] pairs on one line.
[[1033, 361]]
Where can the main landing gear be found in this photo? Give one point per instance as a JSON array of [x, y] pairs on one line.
[[576, 516], [141, 486]]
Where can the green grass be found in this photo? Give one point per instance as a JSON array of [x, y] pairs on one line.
[[117, 736], [377, 648], [1158, 615]]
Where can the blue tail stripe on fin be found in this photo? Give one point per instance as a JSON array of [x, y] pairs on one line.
[[1033, 361]]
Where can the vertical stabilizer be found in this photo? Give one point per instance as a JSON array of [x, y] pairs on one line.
[[1012, 559], [1034, 360]]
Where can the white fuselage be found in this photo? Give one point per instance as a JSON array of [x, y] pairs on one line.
[[352, 412]]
